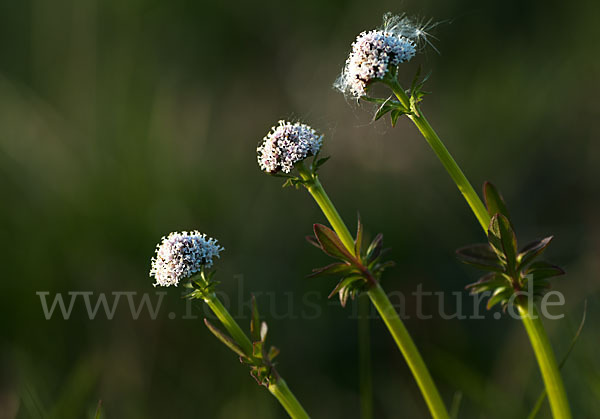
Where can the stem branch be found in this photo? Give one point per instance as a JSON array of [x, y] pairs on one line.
[[278, 386], [382, 303], [546, 360], [535, 329], [446, 158]]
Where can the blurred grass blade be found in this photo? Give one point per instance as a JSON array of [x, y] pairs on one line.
[[98, 410], [542, 396], [455, 407]]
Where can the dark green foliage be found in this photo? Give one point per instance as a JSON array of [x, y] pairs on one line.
[[358, 271], [510, 270]]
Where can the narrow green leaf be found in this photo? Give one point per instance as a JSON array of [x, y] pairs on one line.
[[98, 410], [313, 240], [494, 201], [383, 109], [359, 238], [480, 255], [255, 321], [415, 81], [396, 113], [331, 244], [230, 343], [489, 282], [344, 293], [374, 99], [257, 349], [320, 162], [543, 270], [501, 295], [503, 240], [344, 283], [455, 407], [333, 269], [273, 352], [532, 250], [375, 248], [380, 267]]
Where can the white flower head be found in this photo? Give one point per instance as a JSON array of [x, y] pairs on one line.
[[181, 255], [287, 144], [377, 51]]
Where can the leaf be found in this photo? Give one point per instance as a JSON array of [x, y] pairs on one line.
[[385, 107], [503, 240], [98, 410], [501, 295], [331, 244], [374, 99], [313, 240], [320, 163], [375, 248], [359, 238], [488, 282], [532, 250], [255, 322], [480, 255], [230, 343], [543, 270], [396, 113], [494, 201], [257, 349], [333, 269], [455, 407], [380, 267], [344, 283]]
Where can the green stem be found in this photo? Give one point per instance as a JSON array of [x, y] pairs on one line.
[[546, 360], [409, 350], [446, 158], [535, 329], [278, 387], [364, 353], [292, 406], [230, 324], [382, 303], [320, 196]]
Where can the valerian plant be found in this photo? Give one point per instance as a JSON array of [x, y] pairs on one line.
[[512, 272], [359, 271], [376, 57], [187, 257]]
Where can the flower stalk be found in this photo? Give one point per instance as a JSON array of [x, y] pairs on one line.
[[186, 257], [546, 360], [455, 172], [380, 300], [533, 325], [275, 384]]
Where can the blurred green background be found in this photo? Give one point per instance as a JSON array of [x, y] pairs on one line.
[[121, 121]]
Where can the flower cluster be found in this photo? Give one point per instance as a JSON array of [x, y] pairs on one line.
[[373, 54], [287, 144], [181, 255]]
